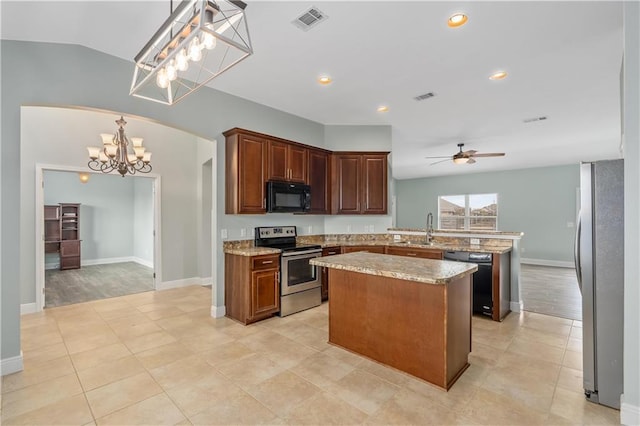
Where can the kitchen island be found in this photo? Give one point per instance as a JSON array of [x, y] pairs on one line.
[[411, 314]]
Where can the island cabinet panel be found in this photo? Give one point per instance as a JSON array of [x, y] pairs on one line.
[[287, 162], [370, 249], [359, 182], [252, 290], [318, 179], [415, 252], [246, 161], [422, 329]]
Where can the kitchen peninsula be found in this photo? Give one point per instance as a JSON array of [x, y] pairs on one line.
[[411, 314]]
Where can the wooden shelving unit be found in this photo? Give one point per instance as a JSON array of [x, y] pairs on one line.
[[62, 233]]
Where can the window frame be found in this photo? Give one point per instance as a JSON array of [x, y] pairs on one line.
[[467, 212]]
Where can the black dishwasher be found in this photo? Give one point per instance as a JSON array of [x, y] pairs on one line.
[[482, 279]]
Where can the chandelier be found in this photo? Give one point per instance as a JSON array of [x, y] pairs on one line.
[[119, 153], [200, 40]]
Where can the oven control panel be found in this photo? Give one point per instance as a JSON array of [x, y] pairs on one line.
[[275, 231]]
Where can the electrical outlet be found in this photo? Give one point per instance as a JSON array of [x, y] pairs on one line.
[[522, 250], [474, 241], [366, 229], [309, 229], [223, 233], [252, 232], [348, 228], [371, 228], [243, 232], [569, 224], [396, 237]]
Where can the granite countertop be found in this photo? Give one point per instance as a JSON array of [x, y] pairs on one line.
[[405, 268], [251, 251], [435, 246]]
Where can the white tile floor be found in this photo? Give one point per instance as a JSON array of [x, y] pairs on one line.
[[159, 358]]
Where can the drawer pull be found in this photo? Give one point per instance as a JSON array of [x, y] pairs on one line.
[[411, 254], [331, 252], [264, 262]]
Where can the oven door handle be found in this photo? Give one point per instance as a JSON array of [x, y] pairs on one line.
[[305, 253]]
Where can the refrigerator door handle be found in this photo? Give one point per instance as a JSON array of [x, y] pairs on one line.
[[576, 252]]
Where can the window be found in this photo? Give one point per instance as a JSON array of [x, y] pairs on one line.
[[470, 211]]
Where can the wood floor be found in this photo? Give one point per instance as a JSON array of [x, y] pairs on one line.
[[551, 291], [95, 282]]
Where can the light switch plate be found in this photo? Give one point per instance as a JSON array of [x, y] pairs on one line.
[[223, 233], [243, 232]]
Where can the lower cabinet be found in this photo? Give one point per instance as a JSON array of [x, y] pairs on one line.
[[69, 254], [327, 251], [422, 253], [251, 287], [370, 249]]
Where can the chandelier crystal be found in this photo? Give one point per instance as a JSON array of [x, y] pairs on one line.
[[199, 41], [119, 153]]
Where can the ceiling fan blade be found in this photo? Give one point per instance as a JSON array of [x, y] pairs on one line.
[[489, 154], [470, 161], [468, 153], [442, 156], [441, 161]]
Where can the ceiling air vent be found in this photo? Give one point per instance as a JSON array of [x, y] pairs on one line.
[[425, 96], [309, 19], [531, 120]]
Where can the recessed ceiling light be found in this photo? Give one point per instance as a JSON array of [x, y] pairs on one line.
[[500, 75], [383, 108], [324, 79], [457, 20]]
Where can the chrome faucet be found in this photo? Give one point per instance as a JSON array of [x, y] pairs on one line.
[[429, 237]]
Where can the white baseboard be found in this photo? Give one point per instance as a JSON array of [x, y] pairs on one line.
[[107, 260], [218, 311], [143, 262], [545, 262], [55, 265], [11, 365], [516, 306], [206, 280], [629, 414], [28, 308], [165, 285]]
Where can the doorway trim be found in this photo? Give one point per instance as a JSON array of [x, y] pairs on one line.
[[39, 226]]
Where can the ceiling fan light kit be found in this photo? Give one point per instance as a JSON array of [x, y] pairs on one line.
[[200, 40], [466, 157]]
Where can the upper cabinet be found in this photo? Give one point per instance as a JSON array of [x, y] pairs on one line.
[[359, 182], [341, 182], [318, 179], [246, 164], [287, 162]]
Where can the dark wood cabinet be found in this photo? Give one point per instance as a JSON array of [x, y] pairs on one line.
[[246, 162], [341, 182], [287, 162], [62, 233], [327, 251], [422, 253], [252, 290], [318, 179], [374, 184], [359, 183]]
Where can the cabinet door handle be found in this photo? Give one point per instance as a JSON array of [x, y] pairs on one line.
[[266, 262], [331, 252], [411, 254]]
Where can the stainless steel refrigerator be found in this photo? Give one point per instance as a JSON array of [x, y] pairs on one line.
[[600, 271]]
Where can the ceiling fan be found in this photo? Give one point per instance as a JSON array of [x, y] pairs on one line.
[[466, 157]]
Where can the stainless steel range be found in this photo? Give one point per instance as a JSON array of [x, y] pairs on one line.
[[299, 281]]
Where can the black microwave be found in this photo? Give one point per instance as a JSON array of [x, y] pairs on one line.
[[287, 197]]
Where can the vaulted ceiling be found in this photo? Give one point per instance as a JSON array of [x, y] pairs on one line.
[[563, 61]]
